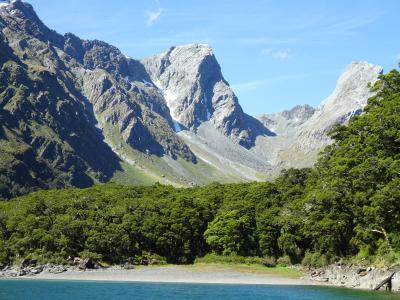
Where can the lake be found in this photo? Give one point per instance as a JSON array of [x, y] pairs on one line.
[[47, 289]]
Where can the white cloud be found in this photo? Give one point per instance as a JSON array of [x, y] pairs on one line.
[[153, 16], [277, 54], [282, 54]]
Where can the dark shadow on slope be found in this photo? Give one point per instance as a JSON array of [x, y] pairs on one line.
[[256, 129], [90, 143], [142, 140]]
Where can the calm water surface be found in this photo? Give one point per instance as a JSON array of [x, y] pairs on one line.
[[43, 290]]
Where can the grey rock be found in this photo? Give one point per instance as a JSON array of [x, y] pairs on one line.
[[195, 91], [57, 269], [87, 111], [352, 277], [87, 263], [28, 262], [302, 132]]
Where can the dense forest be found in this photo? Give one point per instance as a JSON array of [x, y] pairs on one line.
[[346, 207]]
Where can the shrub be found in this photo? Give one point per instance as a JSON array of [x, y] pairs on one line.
[[147, 258], [230, 259], [284, 261], [91, 255], [269, 261], [316, 260], [251, 260]]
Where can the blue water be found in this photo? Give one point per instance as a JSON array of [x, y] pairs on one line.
[[63, 290]]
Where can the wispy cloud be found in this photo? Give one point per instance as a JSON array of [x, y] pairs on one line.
[[277, 54], [256, 84], [349, 26], [153, 16], [397, 57], [265, 40]]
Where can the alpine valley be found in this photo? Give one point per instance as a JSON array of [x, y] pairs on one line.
[[76, 112]]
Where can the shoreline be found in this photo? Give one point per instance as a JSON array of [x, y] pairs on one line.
[[209, 273], [173, 274]]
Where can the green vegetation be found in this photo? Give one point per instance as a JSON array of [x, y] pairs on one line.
[[345, 208]]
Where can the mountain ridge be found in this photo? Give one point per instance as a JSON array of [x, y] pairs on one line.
[[75, 112]]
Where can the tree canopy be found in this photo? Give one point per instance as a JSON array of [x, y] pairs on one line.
[[347, 205]]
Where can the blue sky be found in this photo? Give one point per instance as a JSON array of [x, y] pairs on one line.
[[274, 53]]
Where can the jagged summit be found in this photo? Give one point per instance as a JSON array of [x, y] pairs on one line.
[[195, 90], [282, 121], [349, 97], [74, 112], [21, 18], [302, 131]]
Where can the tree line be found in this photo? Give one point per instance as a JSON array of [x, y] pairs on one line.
[[346, 206]]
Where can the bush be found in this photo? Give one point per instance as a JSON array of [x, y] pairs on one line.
[[230, 259], [365, 252], [91, 255], [269, 261], [147, 258], [316, 260], [227, 259], [284, 261], [253, 260]]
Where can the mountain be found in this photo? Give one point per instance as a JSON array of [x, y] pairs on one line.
[[302, 132], [75, 112], [195, 91]]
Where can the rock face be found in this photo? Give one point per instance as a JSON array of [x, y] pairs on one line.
[[74, 112], [302, 132], [48, 138], [355, 277], [289, 119], [57, 92], [195, 91]]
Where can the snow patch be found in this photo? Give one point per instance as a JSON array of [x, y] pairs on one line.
[[170, 99], [3, 4], [157, 83], [147, 83]]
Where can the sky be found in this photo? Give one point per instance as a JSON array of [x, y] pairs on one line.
[[274, 53]]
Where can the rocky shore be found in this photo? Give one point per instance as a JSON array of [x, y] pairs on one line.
[[367, 278], [19, 271], [30, 267], [162, 273]]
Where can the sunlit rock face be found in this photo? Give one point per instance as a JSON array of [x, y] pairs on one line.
[[195, 91], [302, 132]]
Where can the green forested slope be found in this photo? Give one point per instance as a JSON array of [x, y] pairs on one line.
[[347, 206]]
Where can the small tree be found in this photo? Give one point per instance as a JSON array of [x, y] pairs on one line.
[[231, 233]]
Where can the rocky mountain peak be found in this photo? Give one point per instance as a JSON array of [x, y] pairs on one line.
[[350, 96], [20, 17], [74, 112], [299, 113], [179, 73], [195, 91], [352, 85]]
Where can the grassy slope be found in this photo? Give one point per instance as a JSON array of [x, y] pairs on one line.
[[286, 272], [139, 168]]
